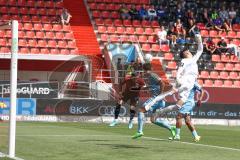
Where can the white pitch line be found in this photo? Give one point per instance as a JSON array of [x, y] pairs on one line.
[[196, 144], [144, 137]]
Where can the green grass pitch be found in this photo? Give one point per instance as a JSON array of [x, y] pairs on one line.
[[90, 141]]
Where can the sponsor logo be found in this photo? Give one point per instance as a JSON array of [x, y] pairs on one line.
[[78, 109], [29, 90], [109, 111]]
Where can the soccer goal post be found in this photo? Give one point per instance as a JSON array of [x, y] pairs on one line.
[[13, 25]]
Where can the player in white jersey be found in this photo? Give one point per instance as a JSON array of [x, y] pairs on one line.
[[187, 74]]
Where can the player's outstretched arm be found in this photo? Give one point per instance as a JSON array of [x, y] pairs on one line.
[[200, 47]]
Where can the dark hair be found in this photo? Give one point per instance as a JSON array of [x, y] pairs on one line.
[[147, 66], [182, 52]]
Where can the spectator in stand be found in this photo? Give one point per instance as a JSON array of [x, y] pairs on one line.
[[189, 15], [234, 48], [172, 36], [179, 30], [227, 26], [192, 29], [179, 12], [210, 47], [217, 24], [214, 15], [232, 14], [134, 12], [222, 46], [223, 14], [152, 14], [65, 17], [124, 12], [142, 13], [161, 13], [162, 36]]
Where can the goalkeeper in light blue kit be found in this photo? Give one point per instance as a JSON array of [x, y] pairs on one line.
[[155, 86]]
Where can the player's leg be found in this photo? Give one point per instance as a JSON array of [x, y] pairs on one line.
[[141, 117], [132, 114], [116, 113], [170, 108], [160, 121], [178, 126], [191, 127]]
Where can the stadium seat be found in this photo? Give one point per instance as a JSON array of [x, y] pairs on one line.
[[101, 7], [64, 51], [237, 67], [28, 26], [4, 50], [23, 10], [47, 27], [59, 4], [200, 82], [152, 39], [124, 38], [34, 51], [92, 6], [148, 31], [156, 48], [40, 4], [56, 27], [133, 39], [223, 34], [172, 65], [59, 35], [44, 51], [234, 58], [236, 84], [26, 18], [218, 83], [214, 75], [108, 22], [233, 75], [32, 43], [114, 38], [208, 83], [115, 15], [139, 31], [142, 39], [229, 66], [105, 14], [5, 17], [223, 75], [69, 35], [32, 11], [111, 30], [41, 11], [225, 58], [155, 24], [22, 42], [120, 30], [136, 23], [62, 44], [2, 34], [168, 56], [204, 33], [231, 34], [146, 47], [96, 14], [118, 22], [99, 22], [24, 50], [37, 26], [146, 23], [101, 29], [54, 51], [165, 48], [49, 35], [219, 66], [21, 34], [228, 83], [104, 37], [204, 74], [216, 58], [127, 23], [3, 42], [49, 4], [236, 41], [13, 10], [71, 44], [21, 3], [130, 30], [30, 34], [8, 34], [42, 43], [52, 44]]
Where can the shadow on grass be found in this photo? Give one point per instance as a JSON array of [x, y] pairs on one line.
[[122, 146]]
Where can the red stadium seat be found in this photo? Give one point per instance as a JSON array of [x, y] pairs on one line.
[[139, 31], [204, 74], [28, 26], [165, 48], [42, 43], [41, 11], [214, 74], [168, 56], [34, 51], [69, 35], [3, 42], [4, 50], [23, 10], [101, 6], [228, 83], [136, 23], [127, 23], [223, 75], [108, 22], [155, 24], [111, 30], [49, 35], [104, 37], [2, 34], [32, 11], [115, 15], [47, 27], [236, 41], [130, 30], [133, 38], [114, 38], [152, 39], [44, 51], [229, 66], [22, 3], [45, 19], [222, 34], [4, 10], [51, 12], [105, 14], [99, 22], [30, 34], [56, 27], [124, 39], [22, 42], [13, 10], [204, 33], [208, 83], [234, 58], [5, 17], [54, 51], [32, 43], [236, 84], [218, 83], [216, 58], [21, 34], [8, 34], [62, 44], [101, 29], [52, 44], [96, 14], [64, 51], [35, 19], [219, 66], [37, 26], [120, 30], [59, 4], [49, 4], [71, 44], [146, 47], [26, 18], [237, 67], [200, 81], [118, 22], [24, 50], [148, 31], [59, 35], [231, 34], [233, 75], [225, 58], [156, 48], [40, 3], [142, 39], [146, 23], [213, 33], [172, 65]]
